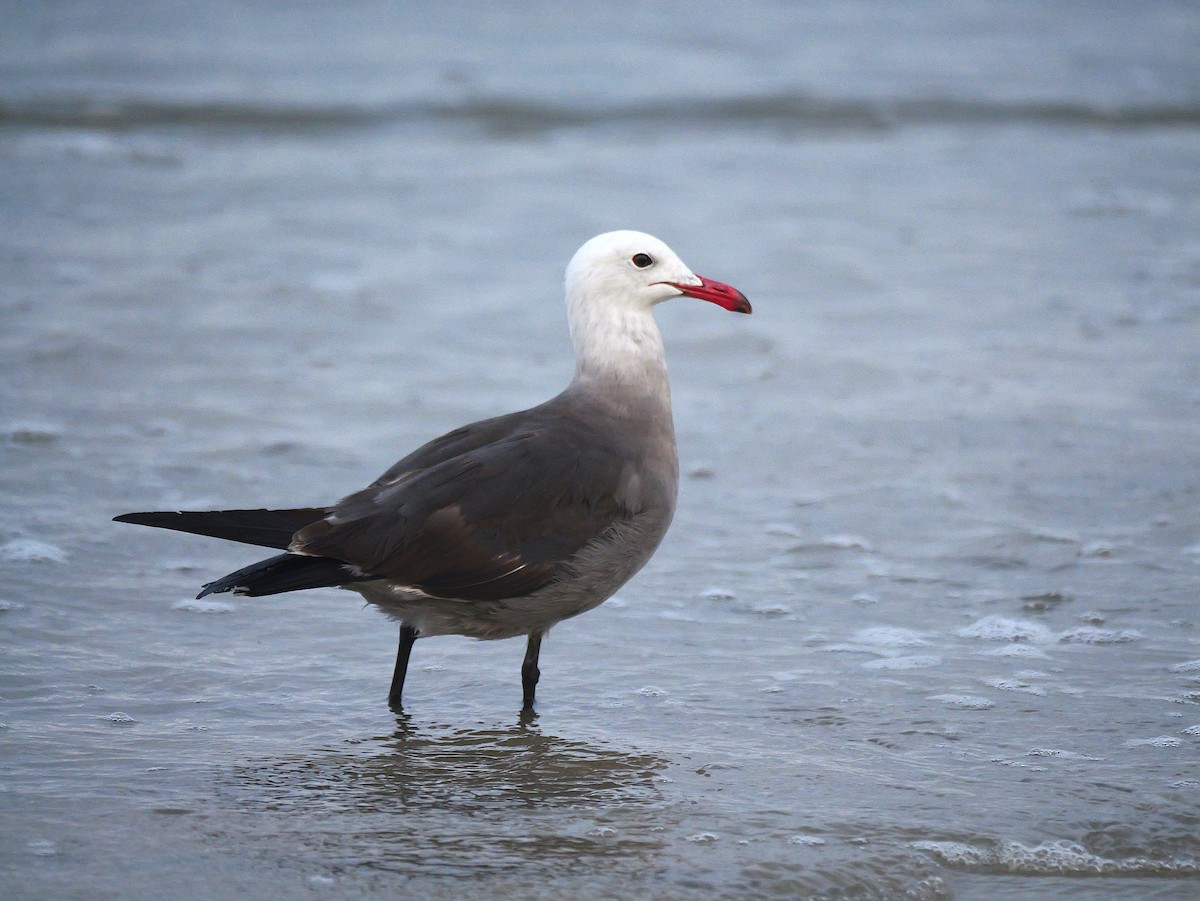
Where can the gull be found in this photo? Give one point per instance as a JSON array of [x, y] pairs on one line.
[[509, 525]]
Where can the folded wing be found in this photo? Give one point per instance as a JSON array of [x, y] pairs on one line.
[[497, 521]]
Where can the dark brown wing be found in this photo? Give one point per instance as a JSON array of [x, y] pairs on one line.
[[497, 521], [458, 442]]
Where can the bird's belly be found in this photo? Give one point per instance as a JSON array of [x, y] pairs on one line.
[[586, 581]]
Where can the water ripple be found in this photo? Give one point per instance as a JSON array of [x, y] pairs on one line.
[[513, 115]]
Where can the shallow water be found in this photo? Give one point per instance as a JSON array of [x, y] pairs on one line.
[[926, 623]]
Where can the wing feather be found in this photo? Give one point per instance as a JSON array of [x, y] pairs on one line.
[[498, 520]]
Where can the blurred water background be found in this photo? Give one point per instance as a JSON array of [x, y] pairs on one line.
[[927, 624]]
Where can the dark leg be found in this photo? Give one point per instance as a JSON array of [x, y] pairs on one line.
[[529, 669], [407, 636]]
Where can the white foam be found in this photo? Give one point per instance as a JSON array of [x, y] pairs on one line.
[[1061, 754], [27, 550], [1017, 650], [1191, 666], [999, 628], [1059, 858], [917, 661], [1098, 550], [42, 847], [1095, 635], [846, 542], [811, 840], [1016, 685], [1159, 741], [889, 637], [193, 605], [964, 702]]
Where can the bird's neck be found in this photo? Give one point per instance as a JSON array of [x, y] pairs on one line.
[[621, 351]]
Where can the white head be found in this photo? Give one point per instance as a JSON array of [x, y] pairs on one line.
[[613, 282], [636, 270]]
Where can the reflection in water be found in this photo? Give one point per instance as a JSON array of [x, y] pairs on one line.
[[449, 800]]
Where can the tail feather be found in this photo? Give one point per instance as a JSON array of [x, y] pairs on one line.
[[286, 572], [265, 528]]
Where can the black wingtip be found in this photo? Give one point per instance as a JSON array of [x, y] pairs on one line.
[[161, 519], [265, 528], [135, 518], [227, 585]]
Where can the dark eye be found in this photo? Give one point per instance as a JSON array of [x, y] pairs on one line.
[[642, 260]]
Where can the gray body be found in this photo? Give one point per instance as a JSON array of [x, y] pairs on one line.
[[506, 526], [589, 482]]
